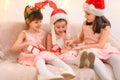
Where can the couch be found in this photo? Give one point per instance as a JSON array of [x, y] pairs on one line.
[[11, 70]]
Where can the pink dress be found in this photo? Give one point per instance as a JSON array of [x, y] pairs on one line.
[[91, 38], [29, 59], [67, 56]]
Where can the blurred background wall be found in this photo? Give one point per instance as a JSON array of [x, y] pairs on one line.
[[12, 11]]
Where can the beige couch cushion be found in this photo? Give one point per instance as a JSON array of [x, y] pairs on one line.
[[10, 70]]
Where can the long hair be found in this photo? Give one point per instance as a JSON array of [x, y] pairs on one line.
[[100, 23]]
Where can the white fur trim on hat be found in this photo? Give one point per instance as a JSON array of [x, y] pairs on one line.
[[53, 19], [92, 9], [57, 16]]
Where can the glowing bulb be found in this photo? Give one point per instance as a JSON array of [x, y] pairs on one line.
[[6, 5]]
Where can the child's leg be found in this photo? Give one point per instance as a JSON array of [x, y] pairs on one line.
[[45, 74], [70, 57], [114, 61], [66, 70], [100, 69]]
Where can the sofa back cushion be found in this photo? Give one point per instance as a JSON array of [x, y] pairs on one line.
[[8, 33], [10, 30]]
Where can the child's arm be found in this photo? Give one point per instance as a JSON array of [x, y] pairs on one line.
[[20, 44], [75, 41], [49, 41], [79, 39], [102, 40], [104, 37], [17, 46], [44, 39]]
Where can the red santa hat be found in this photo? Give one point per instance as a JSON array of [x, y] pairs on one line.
[[56, 15], [95, 7]]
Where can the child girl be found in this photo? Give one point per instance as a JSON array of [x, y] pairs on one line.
[[57, 37], [95, 32], [31, 43]]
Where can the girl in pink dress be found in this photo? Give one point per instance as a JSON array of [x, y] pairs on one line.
[[31, 43], [95, 32], [59, 34]]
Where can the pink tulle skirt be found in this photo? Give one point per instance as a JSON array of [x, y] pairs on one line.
[[30, 59], [106, 52]]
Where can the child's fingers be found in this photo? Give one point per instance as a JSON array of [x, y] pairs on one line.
[[41, 46], [68, 43], [32, 43], [76, 48]]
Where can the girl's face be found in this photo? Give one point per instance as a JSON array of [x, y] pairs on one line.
[[35, 25], [89, 17], [60, 27]]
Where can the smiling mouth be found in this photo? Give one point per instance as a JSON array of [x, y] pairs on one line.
[[61, 32], [37, 26]]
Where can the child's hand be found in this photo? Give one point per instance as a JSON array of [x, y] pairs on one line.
[[78, 48], [64, 51], [69, 42], [57, 53], [41, 47]]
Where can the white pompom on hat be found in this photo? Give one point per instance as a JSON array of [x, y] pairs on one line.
[[95, 7]]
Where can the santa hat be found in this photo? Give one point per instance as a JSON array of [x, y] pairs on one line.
[[95, 7], [56, 15]]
